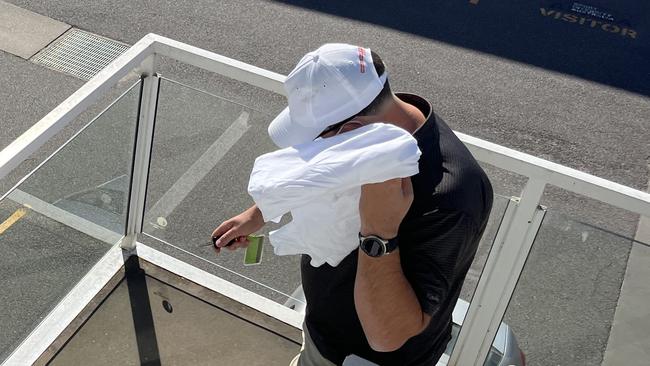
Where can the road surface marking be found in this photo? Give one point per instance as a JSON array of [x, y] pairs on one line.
[[64, 217], [12, 219], [592, 23], [201, 167]]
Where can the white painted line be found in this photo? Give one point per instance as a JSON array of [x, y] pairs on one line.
[[67, 310], [203, 165], [66, 218], [214, 283]]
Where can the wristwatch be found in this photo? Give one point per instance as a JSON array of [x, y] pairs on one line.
[[375, 246]]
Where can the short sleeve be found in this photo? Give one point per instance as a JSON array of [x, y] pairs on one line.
[[435, 248]]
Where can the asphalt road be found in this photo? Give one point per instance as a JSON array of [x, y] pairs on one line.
[[41, 261], [507, 72]]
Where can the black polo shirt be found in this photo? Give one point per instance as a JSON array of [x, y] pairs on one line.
[[438, 239]]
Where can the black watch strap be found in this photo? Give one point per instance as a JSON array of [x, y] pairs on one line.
[[375, 246]]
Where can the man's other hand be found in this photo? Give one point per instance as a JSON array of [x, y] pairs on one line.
[[237, 228], [382, 206]]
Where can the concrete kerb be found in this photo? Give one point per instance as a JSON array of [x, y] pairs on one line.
[[629, 337]]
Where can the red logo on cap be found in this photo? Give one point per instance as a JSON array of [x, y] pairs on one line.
[[362, 63]]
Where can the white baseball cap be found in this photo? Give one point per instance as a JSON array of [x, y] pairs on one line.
[[329, 85]]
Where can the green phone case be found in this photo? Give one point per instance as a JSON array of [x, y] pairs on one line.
[[253, 253]]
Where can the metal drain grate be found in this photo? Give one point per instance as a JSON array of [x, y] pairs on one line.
[[80, 53]]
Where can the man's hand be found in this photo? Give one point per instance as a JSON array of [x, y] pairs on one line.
[[383, 206], [238, 228]]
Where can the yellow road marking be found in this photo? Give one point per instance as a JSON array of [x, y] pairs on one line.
[[12, 219], [473, 2]]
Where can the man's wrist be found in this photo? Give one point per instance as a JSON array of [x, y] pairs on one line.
[[384, 234], [256, 216], [376, 246]]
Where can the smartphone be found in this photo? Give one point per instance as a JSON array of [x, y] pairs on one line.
[[254, 250]]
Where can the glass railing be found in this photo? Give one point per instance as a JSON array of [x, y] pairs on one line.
[[203, 151], [57, 223], [90, 176], [499, 206], [563, 308]]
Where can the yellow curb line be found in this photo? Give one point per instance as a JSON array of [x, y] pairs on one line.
[[12, 219]]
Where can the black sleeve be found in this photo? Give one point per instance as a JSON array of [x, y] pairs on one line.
[[432, 249]]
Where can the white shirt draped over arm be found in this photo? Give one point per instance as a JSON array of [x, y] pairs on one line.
[[319, 183]]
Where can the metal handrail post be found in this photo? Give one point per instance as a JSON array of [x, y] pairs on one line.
[[142, 152], [500, 275]]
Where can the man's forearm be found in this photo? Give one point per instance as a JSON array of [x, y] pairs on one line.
[[388, 309]]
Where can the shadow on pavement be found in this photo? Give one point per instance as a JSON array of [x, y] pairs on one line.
[[603, 41]]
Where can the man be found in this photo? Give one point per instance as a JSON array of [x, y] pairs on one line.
[[390, 301]]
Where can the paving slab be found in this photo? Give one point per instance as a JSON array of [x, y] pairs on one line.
[[24, 33]]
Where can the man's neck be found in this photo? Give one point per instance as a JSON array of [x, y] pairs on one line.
[[399, 113], [404, 115]]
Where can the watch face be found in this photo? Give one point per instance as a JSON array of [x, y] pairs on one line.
[[374, 247]]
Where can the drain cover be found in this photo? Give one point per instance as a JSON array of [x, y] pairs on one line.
[[79, 53]]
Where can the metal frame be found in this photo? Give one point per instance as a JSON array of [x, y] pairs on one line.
[[215, 298], [142, 152], [504, 264], [216, 284]]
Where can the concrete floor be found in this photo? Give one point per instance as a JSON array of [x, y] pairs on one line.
[[192, 333]]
